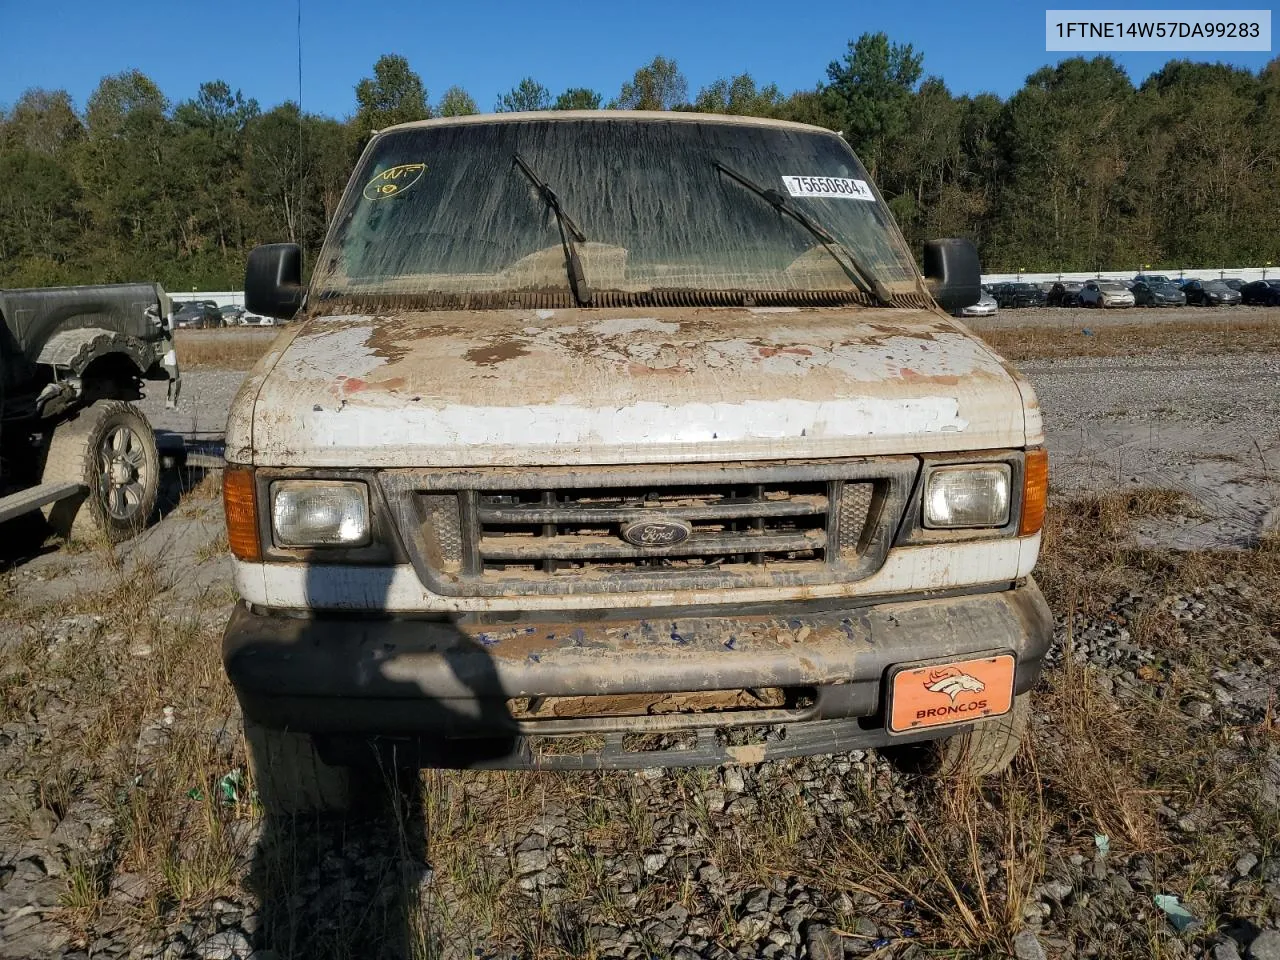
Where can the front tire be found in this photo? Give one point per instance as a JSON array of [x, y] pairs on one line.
[[108, 447]]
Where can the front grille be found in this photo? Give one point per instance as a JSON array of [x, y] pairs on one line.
[[575, 531], [637, 528]]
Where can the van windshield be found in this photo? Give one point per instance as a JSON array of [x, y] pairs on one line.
[[447, 212]]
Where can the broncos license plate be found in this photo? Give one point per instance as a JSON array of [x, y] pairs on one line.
[[957, 692]]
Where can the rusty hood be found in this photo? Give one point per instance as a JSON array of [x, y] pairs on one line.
[[531, 387]]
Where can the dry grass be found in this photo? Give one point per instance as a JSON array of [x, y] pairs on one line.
[[951, 866], [1173, 338], [111, 755], [230, 349]]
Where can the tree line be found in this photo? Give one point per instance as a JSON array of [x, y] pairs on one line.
[[1078, 170]]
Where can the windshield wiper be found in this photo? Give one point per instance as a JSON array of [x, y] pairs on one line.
[[570, 235], [863, 278]]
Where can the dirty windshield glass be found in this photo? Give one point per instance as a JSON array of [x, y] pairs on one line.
[[447, 210]]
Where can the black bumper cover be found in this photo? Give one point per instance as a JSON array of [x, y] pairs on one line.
[[442, 686]]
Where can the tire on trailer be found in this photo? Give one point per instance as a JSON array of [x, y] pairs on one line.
[[110, 448], [985, 750]]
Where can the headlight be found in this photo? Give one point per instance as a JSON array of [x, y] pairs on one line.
[[969, 496], [320, 513]]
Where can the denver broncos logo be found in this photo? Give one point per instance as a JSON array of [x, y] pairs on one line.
[[953, 683]]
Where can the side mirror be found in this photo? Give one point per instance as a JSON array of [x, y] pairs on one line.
[[953, 273], [273, 280]]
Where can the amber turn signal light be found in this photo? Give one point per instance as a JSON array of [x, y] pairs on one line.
[[1035, 491], [240, 504]]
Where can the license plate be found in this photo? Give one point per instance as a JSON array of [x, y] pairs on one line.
[[943, 693]]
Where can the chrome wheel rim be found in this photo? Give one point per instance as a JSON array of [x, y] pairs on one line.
[[123, 472]]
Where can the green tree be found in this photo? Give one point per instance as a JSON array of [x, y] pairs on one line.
[[43, 121], [394, 94], [210, 131], [39, 220], [456, 102], [578, 98], [659, 85], [528, 94], [130, 175], [869, 92], [739, 95]]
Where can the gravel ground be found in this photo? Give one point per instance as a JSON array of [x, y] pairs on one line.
[[1153, 772], [1143, 820]]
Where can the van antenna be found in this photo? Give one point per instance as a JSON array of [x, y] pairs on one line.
[[302, 169]]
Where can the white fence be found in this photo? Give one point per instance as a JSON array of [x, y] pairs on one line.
[[223, 298], [1217, 273], [228, 298]]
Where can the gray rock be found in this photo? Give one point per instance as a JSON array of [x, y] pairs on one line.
[[1265, 946], [757, 902], [753, 926], [733, 780], [531, 861], [823, 943], [654, 862], [866, 928], [1245, 864], [1026, 946], [1056, 890], [227, 945], [42, 823], [1225, 951], [129, 886]]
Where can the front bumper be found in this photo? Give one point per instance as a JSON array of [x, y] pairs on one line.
[[445, 684]]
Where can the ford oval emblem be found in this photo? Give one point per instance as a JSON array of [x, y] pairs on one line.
[[656, 532]]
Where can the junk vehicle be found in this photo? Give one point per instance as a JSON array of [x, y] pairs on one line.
[[71, 442], [1013, 295], [612, 439]]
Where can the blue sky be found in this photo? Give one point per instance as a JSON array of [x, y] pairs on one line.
[[488, 47]]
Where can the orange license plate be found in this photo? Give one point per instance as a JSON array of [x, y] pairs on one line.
[[943, 693]]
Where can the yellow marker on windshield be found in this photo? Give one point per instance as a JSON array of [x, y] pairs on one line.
[[394, 181]]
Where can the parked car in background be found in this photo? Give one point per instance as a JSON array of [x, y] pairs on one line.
[[1235, 283], [232, 315], [1065, 293], [985, 307], [1153, 278], [197, 313], [1152, 293], [1105, 293], [1262, 293], [1210, 293], [1014, 295]]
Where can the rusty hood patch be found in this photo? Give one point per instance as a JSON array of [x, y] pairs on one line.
[[458, 388]]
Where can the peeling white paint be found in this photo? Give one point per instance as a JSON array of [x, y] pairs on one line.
[[620, 325], [343, 351], [639, 423]]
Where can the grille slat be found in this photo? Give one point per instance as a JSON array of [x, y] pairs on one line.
[[528, 549], [728, 510]]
